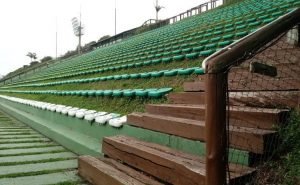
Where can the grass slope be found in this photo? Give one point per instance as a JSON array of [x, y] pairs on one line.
[[285, 170], [110, 104]]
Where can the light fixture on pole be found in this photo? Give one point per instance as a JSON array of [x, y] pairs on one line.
[[157, 9], [78, 30]]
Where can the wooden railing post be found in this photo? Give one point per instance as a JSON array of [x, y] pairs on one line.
[[215, 128]]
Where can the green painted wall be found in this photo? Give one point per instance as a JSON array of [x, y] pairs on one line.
[[84, 138]]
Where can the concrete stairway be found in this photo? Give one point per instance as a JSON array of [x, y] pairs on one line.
[[29, 158]]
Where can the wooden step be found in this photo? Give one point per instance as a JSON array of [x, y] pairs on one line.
[[166, 164], [250, 139], [266, 98], [196, 86], [109, 172], [241, 116], [187, 98]]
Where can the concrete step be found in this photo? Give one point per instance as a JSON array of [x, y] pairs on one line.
[[44, 179], [29, 158], [27, 145], [29, 150], [23, 169], [21, 159]]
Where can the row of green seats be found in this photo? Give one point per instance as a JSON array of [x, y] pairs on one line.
[[167, 73], [143, 93], [252, 22]]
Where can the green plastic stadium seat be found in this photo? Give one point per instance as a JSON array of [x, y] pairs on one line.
[[107, 92], [179, 57], [99, 93], [159, 93], [241, 34], [202, 42], [141, 93], [117, 93], [199, 48], [224, 43], [175, 52], [109, 77], [135, 76], [157, 73], [187, 71], [147, 63], [192, 55], [166, 60], [199, 71], [125, 76], [187, 50], [117, 77], [207, 52], [92, 93], [128, 93], [145, 75], [210, 46], [172, 72]]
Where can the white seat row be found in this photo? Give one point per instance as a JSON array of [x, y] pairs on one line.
[[100, 118]]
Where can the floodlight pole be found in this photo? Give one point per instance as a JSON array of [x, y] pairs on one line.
[[79, 37], [56, 40], [115, 17], [156, 10]]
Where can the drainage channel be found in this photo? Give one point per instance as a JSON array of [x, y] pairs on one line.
[[29, 158]]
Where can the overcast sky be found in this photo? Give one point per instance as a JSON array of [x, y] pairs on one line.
[[30, 25]]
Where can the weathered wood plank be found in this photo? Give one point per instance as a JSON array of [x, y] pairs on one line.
[[168, 165], [187, 98], [266, 98], [99, 172], [239, 115], [250, 139], [196, 86]]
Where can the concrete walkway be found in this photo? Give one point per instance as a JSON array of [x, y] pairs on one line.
[[29, 158]]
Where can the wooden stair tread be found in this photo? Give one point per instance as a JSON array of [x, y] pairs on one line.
[[187, 98], [250, 139], [168, 165], [239, 115], [267, 99], [252, 109], [109, 172], [197, 86]]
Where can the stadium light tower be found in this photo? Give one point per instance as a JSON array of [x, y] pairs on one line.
[[78, 30], [157, 9], [115, 17]]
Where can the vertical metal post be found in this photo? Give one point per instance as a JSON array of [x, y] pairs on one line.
[[115, 17], [80, 33], [215, 128], [56, 41], [79, 41]]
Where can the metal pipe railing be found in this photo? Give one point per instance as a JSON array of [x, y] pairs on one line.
[[216, 68]]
